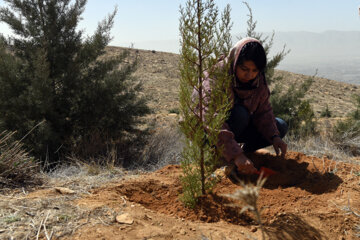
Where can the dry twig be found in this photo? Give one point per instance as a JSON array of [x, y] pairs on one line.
[[248, 197]]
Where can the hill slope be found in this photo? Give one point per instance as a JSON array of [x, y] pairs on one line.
[[160, 75], [307, 198]]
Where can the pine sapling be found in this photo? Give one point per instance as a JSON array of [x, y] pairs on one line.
[[204, 38]]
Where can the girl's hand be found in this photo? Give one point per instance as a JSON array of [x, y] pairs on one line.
[[279, 145], [244, 165]]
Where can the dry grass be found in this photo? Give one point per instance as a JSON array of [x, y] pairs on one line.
[[163, 148], [349, 210], [347, 135], [318, 146], [45, 218], [247, 198], [47, 214], [17, 168]]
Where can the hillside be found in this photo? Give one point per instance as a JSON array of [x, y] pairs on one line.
[[308, 197], [334, 53], [160, 75]]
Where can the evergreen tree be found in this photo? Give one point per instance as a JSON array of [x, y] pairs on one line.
[[204, 38], [288, 105], [51, 72]]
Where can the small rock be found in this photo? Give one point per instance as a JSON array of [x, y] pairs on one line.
[[147, 217], [124, 219], [280, 214], [2, 230], [160, 224], [63, 190], [253, 229], [132, 205], [182, 232]]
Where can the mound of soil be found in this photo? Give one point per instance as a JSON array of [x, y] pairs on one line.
[[301, 201]]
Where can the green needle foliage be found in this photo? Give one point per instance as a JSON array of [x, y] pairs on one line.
[[204, 39], [51, 72]]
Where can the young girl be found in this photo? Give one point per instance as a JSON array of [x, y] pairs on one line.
[[251, 122]]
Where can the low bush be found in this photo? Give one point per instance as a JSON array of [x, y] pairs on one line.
[[164, 146], [326, 112], [346, 133]]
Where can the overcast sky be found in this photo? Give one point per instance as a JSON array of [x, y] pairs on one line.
[[152, 20]]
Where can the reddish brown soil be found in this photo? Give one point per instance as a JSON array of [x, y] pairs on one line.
[[302, 201]]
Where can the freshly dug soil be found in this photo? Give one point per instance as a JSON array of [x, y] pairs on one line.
[[302, 201]]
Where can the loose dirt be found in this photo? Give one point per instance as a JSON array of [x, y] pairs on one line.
[[306, 199]]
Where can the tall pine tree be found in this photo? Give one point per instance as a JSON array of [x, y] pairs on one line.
[[52, 73]]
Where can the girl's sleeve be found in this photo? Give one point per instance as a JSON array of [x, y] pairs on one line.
[[226, 138]]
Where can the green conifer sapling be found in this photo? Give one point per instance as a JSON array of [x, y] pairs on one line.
[[204, 38]]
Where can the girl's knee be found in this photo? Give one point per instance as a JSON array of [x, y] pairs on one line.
[[282, 127], [240, 114]]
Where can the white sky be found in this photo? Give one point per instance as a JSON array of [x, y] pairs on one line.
[[154, 24], [149, 20]]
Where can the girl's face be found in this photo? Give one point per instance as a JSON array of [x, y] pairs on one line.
[[247, 71]]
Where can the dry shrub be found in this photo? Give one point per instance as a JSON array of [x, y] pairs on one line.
[[164, 147], [100, 149], [318, 146], [16, 166], [349, 210], [346, 134], [247, 199]]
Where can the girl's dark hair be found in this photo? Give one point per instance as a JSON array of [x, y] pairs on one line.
[[255, 52]]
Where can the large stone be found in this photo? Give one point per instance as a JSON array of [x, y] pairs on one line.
[[124, 219]]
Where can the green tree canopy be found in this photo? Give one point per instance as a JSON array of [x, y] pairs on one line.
[[52, 72]]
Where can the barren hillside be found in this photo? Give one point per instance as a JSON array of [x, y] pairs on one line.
[[160, 75]]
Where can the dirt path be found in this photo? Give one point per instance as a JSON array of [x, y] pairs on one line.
[[305, 200]]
